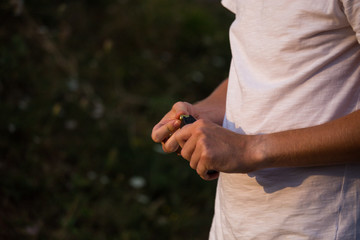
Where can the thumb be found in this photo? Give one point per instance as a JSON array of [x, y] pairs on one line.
[[181, 108]]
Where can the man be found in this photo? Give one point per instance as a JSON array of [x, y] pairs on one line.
[[288, 150]]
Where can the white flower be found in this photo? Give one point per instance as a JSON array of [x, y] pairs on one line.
[[137, 182]]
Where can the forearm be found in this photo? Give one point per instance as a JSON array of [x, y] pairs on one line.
[[335, 142], [213, 107]]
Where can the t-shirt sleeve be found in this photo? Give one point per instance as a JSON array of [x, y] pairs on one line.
[[352, 11], [229, 4]]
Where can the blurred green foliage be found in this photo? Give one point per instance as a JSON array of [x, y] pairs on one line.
[[81, 85]]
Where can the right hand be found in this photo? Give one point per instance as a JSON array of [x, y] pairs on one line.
[[171, 122]]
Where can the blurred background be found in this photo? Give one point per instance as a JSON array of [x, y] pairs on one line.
[[81, 85]]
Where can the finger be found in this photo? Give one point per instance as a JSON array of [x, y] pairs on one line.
[[212, 175], [180, 108], [170, 145], [195, 156], [189, 148], [183, 135], [163, 130], [164, 127], [164, 148], [201, 166], [203, 172], [178, 139]]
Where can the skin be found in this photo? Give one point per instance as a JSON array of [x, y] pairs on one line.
[[208, 146]]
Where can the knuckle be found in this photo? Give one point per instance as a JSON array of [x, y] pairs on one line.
[[202, 140], [184, 154], [200, 132], [156, 133], [201, 127], [192, 165], [177, 105], [207, 154], [201, 122], [171, 145]]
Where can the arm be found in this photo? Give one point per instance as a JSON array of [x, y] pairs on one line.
[[213, 107], [210, 147], [335, 142]]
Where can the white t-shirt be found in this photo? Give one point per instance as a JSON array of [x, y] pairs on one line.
[[295, 64]]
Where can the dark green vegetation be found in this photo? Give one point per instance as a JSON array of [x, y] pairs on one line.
[[81, 85]]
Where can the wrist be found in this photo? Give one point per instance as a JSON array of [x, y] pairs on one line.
[[257, 152], [210, 111]]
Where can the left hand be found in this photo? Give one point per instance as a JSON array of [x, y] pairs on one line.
[[207, 146]]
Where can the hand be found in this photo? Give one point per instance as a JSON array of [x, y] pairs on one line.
[[170, 122], [207, 146]]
